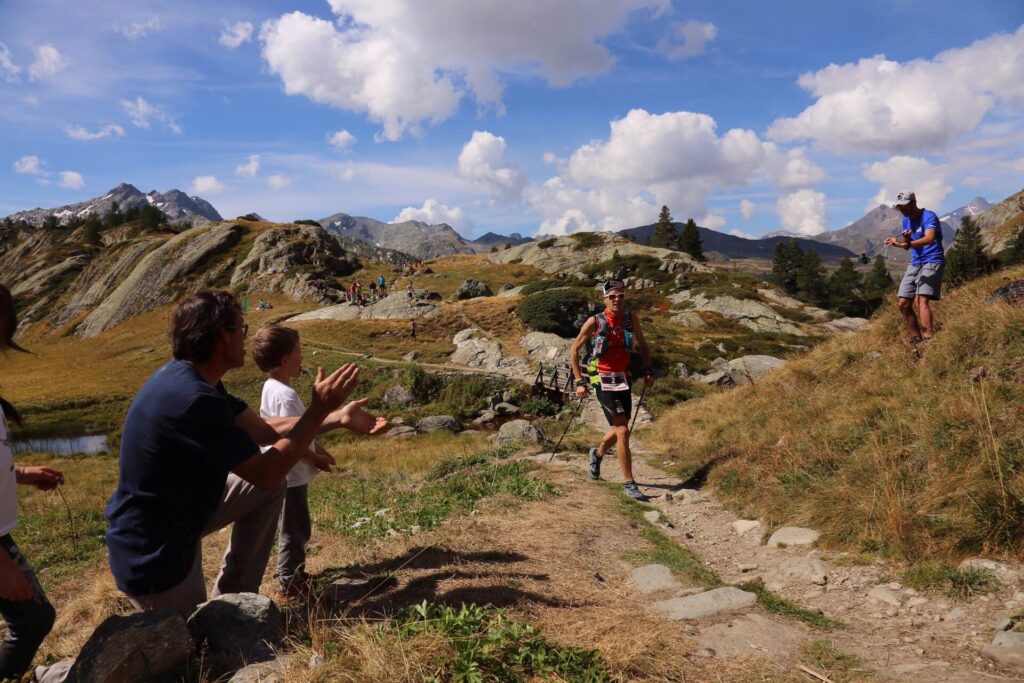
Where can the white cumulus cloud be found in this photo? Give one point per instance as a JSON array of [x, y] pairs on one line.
[[250, 168], [31, 165], [8, 69], [207, 184], [791, 170], [139, 29], [686, 39], [712, 221], [435, 212], [235, 34], [482, 160], [803, 212], [407, 62], [927, 181], [71, 180], [880, 105], [141, 113], [48, 61], [747, 208], [278, 181], [83, 133], [341, 140]]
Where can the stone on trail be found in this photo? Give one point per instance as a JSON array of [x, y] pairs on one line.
[[401, 432], [713, 601], [438, 422], [238, 627], [136, 647], [273, 671], [506, 408], [1007, 651], [752, 635], [885, 595], [1006, 574], [742, 526], [652, 578], [797, 571], [652, 516], [411, 356], [471, 289], [793, 535], [518, 431]]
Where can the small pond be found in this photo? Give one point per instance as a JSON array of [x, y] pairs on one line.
[[89, 445]]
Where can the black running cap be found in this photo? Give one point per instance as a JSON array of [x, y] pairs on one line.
[[609, 285]]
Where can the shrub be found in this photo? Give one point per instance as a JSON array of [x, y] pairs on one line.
[[306, 221], [538, 405], [586, 240], [249, 217], [559, 311], [540, 286], [544, 244], [422, 384], [640, 265]]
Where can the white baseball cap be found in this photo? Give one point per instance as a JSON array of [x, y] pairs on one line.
[[904, 198]]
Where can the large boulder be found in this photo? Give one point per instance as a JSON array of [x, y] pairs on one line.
[[398, 395], [518, 431], [473, 348], [753, 368], [238, 628], [471, 289], [545, 347], [690, 319], [392, 307], [841, 325], [138, 647], [434, 423]]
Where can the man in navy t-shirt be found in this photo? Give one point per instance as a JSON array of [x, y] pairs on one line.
[[190, 463], [922, 283]]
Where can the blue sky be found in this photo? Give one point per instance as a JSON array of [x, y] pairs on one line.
[[530, 116]]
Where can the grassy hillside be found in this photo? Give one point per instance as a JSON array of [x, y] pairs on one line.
[[880, 450]]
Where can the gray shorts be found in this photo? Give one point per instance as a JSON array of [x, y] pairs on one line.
[[924, 279]]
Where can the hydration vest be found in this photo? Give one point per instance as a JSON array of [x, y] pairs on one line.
[[599, 342]]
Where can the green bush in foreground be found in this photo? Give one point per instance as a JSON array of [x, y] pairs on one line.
[[554, 310], [488, 646]]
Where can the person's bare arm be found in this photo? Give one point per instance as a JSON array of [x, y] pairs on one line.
[[574, 354], [266, 469]]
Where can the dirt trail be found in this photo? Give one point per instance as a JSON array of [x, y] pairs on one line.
[[905, 635]]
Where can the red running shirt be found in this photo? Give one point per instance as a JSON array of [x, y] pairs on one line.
[[615, 357]]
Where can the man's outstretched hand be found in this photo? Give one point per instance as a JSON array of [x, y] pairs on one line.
[[44, 478], [356, 419], [331, 391]]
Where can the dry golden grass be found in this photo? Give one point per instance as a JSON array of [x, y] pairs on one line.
[[878, 450]]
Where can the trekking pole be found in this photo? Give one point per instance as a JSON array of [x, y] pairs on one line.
[[638, 404], [579, 404]]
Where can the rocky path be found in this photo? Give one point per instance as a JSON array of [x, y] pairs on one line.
[[895, 631]]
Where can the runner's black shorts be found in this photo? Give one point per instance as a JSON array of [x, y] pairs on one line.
[[614, 403]]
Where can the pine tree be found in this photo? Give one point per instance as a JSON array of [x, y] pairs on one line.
[[1015, 253], [966, 257], [664, 232], [878, 284], [114, 217], [690, 242], [845, 290], [785, 263], [151, 218], [51, 222], [810, 279], [91, 230]]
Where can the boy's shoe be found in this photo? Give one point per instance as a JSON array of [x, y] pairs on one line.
[[595, 464], [633, 491]]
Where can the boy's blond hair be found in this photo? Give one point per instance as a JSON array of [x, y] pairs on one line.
[[271, 344]]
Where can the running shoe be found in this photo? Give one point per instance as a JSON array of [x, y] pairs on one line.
[[595, 464], [633, 491]]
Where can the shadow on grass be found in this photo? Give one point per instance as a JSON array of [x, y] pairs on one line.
[[699, 478]]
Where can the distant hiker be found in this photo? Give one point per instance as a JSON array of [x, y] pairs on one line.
[[408, 292], [613, 334], [190, 463], [412, 328], [382, 285], [27, 613], [373, 290], [278, 353], [922, 282]]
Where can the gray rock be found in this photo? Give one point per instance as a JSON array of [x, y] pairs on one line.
[[545, 347], [844, 325], [752, 635], [238, 627], [485, 418], [652, 578], [411, 356], [797, 571], [1009, 639], [471, 289], [652, 516], [793, 535], [742, 526], [394, 307], [274, 671], [690, 319], [506, 287], [506, 409], [401, 432], [885, 595], [398, 395], [476, 350], [437, 422], [137, 647], [755, 367], [771, 326], [518, 431], [713, 601], [1006, 574], [955, 614], [515, 291], [1010, 658], [682, 372]]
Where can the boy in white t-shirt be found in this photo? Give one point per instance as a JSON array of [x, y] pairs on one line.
[[277, 352]]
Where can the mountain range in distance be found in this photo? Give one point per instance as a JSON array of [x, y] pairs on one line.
[[418, 239]]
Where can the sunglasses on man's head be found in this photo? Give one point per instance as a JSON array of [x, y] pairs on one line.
[[244, 326]]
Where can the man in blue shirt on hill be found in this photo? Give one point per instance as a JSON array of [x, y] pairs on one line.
[[922, 283]]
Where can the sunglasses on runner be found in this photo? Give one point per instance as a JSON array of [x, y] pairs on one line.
[[615, 297]]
